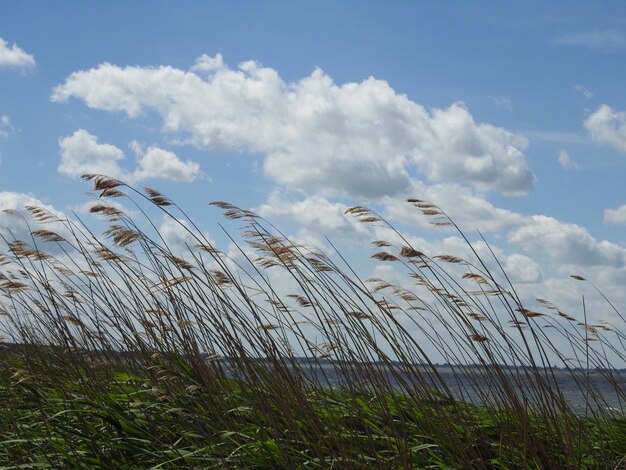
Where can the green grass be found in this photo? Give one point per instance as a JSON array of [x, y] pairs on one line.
[[114, 343], [107, 418]]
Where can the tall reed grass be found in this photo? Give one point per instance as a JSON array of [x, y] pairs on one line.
[[123, 352]]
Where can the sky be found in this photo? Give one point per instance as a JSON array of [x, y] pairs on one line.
[[511, 116]]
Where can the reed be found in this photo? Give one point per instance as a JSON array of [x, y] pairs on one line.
[[123, 352]]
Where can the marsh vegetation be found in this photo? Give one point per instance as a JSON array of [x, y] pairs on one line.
[[121, 351]]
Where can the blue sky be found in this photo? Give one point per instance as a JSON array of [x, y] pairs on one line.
[[509, 115]]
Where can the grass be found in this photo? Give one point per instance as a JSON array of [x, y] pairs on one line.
[[123, 352]]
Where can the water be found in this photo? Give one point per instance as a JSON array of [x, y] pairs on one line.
[[599, 391]]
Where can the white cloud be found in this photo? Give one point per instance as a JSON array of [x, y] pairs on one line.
[[470, 210], [13, 56], [85, 207], [360, 139], [566, 161], [583, 91], [605, 41], [356, 139], [19, 226], [566, 294], [555, 243], [206, 64], [520, 268], [158, 163], [314, 214], [608, 127], [179, 237], [615, 216], [564, 243], [81, 153]]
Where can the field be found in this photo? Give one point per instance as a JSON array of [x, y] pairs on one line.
[[121, 352]]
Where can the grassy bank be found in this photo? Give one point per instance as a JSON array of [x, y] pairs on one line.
[[121, 337]]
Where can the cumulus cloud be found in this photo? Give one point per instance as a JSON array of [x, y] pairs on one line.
[[19, 226], [518, 267], [521, 268], [364, 139], [158, 163], [615, 216], [81, 153], [554, 242], [608, 127], [566, 161], [179, 237], [14, 57], [566, 243], [469, 209], [314, 213], [85, 207], [360, 139]]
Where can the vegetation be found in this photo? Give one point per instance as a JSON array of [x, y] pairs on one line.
[[122, 352]]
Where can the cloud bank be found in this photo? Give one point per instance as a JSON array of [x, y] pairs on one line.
[[325, 143], [360, 139]]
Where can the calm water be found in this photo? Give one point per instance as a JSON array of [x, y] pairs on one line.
[[606, 390]]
